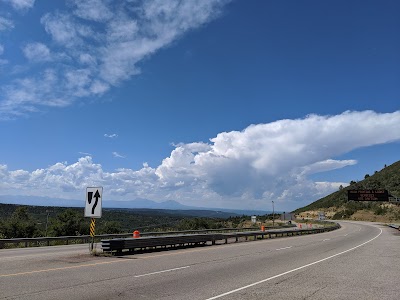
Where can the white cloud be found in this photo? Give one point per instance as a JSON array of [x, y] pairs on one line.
[[87, 59], [240, 169], [117, 155], [37, 52], [21, 4], [5, 24], [65, 30], [77, 81], [111, 136], [29, 94], [327, 165], [98, 87], [101, 42], [94, 10], [85, 153], [2, 61]]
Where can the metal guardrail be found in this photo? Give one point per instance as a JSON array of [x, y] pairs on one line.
[[81, 239], [47, 241], [152, 242], [395, 226]]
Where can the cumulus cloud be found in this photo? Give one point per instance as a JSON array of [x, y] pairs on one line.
[[104, 41], [111, 136], [241, 169]]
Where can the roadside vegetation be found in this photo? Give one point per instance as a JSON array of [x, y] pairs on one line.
[[19, 221], [338, 207]]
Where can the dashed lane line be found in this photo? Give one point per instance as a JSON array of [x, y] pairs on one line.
[[163, 271]]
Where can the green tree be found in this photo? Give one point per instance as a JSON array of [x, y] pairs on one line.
[[111, 227], [69, 223], [19, 225]]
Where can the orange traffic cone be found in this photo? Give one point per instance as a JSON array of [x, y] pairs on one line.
[[136, 234]]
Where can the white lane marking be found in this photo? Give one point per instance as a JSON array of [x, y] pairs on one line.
[[283, 248], [164, 271], [326, 240], [293, 270]]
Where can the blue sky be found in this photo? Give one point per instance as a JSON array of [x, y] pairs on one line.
[[210, 103]]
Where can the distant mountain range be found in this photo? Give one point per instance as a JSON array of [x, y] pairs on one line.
[[137, 203]]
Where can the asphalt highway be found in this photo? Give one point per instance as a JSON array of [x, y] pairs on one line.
[[359, 261]]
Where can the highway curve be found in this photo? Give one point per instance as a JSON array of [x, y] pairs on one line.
[[359, 261]]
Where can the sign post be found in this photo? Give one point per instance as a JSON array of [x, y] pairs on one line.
[[92, 232], [93, 208]]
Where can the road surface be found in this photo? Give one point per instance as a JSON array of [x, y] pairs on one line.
[[359, 261]]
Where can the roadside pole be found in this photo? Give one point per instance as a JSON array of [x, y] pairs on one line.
[[92, 232], [273, 214]]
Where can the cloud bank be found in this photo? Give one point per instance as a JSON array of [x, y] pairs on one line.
[[94, 46], [240, 169]]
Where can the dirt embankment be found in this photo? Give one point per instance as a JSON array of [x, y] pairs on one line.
[[387, 213]]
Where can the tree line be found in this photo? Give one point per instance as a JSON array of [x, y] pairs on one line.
[[69, 222], [28, 221]]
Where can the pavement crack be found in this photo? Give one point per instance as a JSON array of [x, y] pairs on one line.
[[313, 293]]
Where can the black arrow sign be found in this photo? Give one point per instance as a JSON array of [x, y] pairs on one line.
[[90, 197], [97, 196]]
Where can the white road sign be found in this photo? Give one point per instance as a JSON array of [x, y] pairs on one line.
[[94, 196]]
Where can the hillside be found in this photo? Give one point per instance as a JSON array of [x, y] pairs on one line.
[[336, 205]]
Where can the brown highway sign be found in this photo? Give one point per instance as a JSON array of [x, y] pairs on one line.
[[368, 195]]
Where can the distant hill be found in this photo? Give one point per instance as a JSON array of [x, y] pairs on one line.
[[128, 204], [337, 205]]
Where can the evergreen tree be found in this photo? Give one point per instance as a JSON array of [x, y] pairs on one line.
[[19, 225], [69, 223]]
